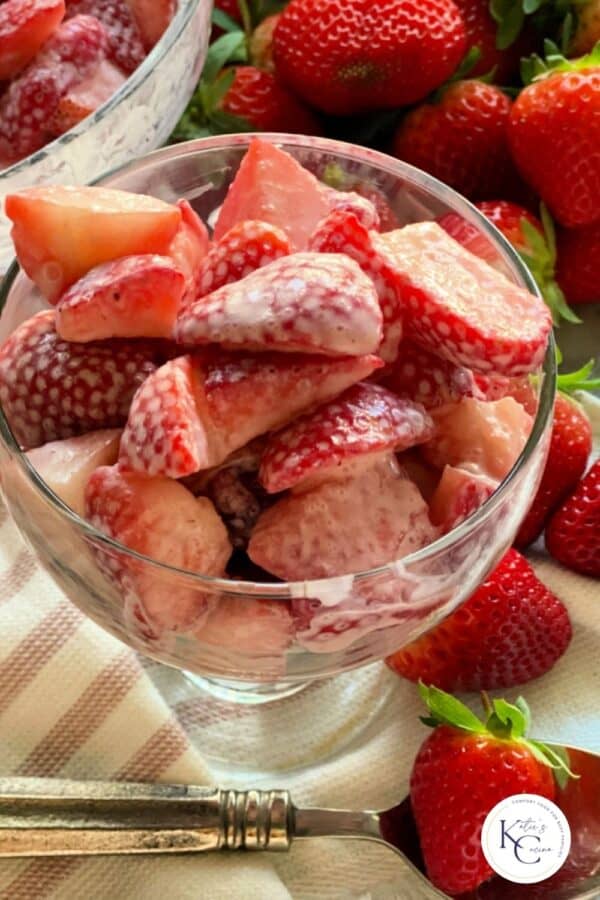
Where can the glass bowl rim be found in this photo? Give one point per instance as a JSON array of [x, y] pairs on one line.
[[175, 29], [285, 590]]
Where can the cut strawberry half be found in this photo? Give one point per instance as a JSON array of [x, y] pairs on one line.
[[51, 389], [66, 465], [25, 25], [189, 247], [315, 535], [462, 309], [270, 186], [134, 296], [307, 302], [484, 437], [161, 519], [342, 232], [247, 246], [195, 411], [86, 96], [365, 420], [428, 379], [60, 233], [459, 494]]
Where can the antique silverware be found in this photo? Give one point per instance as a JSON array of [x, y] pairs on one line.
[[53, 817]]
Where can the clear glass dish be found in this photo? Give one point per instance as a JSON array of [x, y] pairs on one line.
[[138, 118], [266, 641]]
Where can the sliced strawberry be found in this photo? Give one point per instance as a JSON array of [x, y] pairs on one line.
[[460, 307], [307, 303], [134, 296], [315, 534], [365, 420], [189, 247], [86, 96], [470, 237], [25, 25], [459, 493], [361, 207], [342, 232], [51, 390], [60, 233], [270, 186], [428, 379], [125, 45], [193, 412], [485, 437], [161, 519], [495, 387], [66, 465], [152, 18], [31, 100], [247, 246], [250, 627]]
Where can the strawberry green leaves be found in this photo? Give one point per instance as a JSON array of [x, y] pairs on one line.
[[447, 710]]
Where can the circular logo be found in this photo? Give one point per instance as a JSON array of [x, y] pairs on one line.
[[526, 838]]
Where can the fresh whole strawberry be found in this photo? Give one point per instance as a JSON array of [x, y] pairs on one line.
[[51, 389], [512, 629], [462, 770], [554, 135], [352, 56], [578, 263], [570, 448], [264, 103], [460, 138], [24, 27], [573, 533]]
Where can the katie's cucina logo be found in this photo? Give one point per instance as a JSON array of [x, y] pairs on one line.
[[526, 838]]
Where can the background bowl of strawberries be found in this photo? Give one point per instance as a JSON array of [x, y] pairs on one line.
[[315, 590], [89, 85]]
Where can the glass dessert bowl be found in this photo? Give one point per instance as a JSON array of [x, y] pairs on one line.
[[261, 641]]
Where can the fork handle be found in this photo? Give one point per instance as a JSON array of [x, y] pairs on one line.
[[51, 817]]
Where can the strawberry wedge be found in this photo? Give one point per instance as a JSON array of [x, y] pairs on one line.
[[459, 494], [60, 233], [194, 411], [135, 296], [428, 379], [51, 389], [365, 420], [25, 25], [459, 307], [189, 247], [247, 246], [307, 303]]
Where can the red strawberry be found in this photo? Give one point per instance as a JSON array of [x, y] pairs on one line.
[[193, 412], [125, 45], [265, 104], [578, 267], [52, 390], [459, 307], [512, 629], [428, 379], [352, 56], [307, 302], [460, 137], [86, 96], [189, 247], [75, 48], [261, 43], [570, 448], [485, 437], [270, 186], [152, 18], [314, 534], [554, 135], [573, 533], [161, 519], [25, 25], [133, 296], [365, 420], [485, 33], [459, 493], [60, 233], [243, 249], [342, 232], [66, 465], [461, 772]]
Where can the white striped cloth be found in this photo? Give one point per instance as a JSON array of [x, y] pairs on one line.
[[75, 702]]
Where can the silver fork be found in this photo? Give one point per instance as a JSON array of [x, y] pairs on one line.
[[53, 817]]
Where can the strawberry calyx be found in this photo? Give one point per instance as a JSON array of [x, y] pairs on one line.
[[535, 67], [580, 380], [504, 722]]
